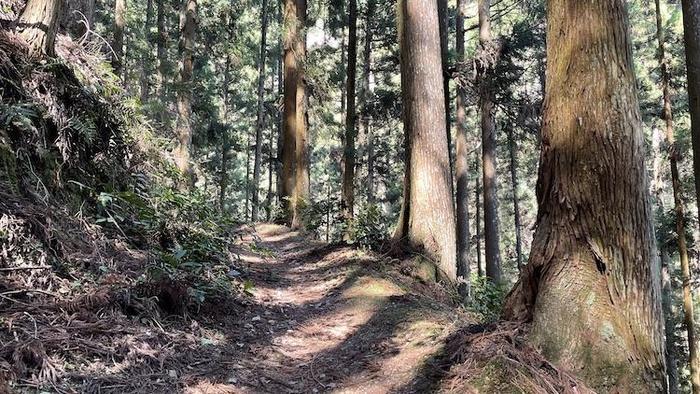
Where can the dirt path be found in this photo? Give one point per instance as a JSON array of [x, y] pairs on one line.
[[327, 319]]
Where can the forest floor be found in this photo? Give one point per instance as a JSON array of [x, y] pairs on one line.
[[330, 319], [318, 318]]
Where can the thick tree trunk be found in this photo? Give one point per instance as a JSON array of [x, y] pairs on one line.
[[118, 37], [183, 127], [261, 113], [462, 169], [426, 223], [301, 166], [348, 196], [667, 115], [516, 200], [38, 24], [280, 96], [367, 96], [488, 56], [592, 286]]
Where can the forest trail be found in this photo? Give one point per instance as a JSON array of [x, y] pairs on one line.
[[329, 319]]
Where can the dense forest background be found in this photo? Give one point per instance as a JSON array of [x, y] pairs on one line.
[[198, 86]]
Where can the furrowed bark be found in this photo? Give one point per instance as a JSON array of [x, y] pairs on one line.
[[592, 286], [426, 224]]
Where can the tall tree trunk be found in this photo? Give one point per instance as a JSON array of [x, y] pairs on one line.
[[291, 36], [691, 34], [516, 200], [488, 56], [427, 224], [462, 169], [118, 38], [592, 286], [348, 196], [301, 166], [38, 24], [444, 50], [280, 95], [261, 113], [667, 114], [183, 127], [477, 191], [367, 97], [146, 56]]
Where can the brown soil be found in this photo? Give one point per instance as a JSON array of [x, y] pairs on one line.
[[318, 319]]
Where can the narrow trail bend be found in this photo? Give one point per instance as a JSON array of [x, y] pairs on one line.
[[329, 319]]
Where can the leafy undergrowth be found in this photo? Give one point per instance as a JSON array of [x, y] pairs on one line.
[[100, 254]]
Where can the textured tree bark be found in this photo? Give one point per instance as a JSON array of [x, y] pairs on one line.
[[38, 24], [462, 169], [301, 166], [516, 200], [291, 36], [261, 114], [427, 219], [118, 38], [488, 56], [183, 128], [348, 196], [367, 96], [667, 115], [592, 287]]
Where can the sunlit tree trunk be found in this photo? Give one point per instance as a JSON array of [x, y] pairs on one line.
[[488, 56], [667, 114], [291, 36], [118, 36], [427, 219], [38, 24], [261, 113], [592, 286], [301, 165], [512, 152], [183, 128], [462, 168], [348, 196]]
